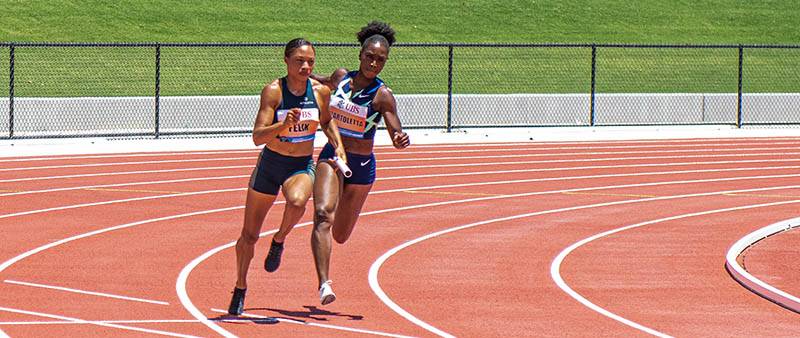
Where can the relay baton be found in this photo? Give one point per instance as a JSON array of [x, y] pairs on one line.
[[342, 167]]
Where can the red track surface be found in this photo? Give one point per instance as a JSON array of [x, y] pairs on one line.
[[504, 223]]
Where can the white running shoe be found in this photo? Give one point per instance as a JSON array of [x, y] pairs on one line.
[[326, 295]]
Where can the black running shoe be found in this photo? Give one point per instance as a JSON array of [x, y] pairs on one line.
[[273, 260], [237, 302]]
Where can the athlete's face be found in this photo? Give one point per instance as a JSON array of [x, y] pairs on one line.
[[373, 58], [301, 61]]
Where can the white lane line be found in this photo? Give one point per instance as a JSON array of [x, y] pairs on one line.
[[375, 267], [722, 142], [327, 326], [74, 206], [183, 180], [752, 283], [590, 159], [101, 294], [644, 165], [460, 164], [536, 146], [180, 284], [130, 321], [22, 256], [250, 158], [82, 321], [732, 147], [555, 266], [654, 173], [591, 154], [114, 173], [12, 261], [23, 213], [124, 155]]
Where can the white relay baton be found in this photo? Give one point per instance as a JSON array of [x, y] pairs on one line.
[[342, 166]]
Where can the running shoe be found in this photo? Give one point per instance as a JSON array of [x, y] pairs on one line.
[[326, 295], [273, 260], [237, 302]]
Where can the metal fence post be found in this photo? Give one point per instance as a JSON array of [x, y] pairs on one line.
[[158, 91], [449, 123], [594, 73], [11, 91], [739, 101]]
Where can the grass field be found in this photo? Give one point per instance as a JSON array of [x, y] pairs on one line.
[[240, 71]]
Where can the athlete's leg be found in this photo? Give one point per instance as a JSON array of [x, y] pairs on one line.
[[256, 207], [297, 191], [327, 190], [353, 198]]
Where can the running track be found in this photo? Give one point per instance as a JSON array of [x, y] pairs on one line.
[[624, 238]]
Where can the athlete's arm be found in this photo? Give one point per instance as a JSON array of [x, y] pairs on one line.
[[326, 122], [387, 105], [332, 80], [265, 128]]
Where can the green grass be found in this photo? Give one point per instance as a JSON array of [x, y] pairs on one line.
[[584, 21], [238, 71]]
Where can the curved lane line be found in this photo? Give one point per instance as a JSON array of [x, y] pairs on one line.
[[187, 303], [375, 268], [749, 281], [555, 266], [493, 172]]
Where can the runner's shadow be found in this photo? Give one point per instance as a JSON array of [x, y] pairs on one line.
[[227, 318], [311, 312]]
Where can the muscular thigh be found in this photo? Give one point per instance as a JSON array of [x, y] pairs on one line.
[[353, 198]]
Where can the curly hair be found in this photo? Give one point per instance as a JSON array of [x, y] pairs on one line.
[[376, 29]]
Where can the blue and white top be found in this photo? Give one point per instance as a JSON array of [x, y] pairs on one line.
[[353, 110]]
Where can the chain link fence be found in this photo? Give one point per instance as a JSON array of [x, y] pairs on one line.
[[152, 89]]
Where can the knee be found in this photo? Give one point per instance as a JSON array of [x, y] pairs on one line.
[[323, 216], [248, 238], [339, 237], [297, 200]]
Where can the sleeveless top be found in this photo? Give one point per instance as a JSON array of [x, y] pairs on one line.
[[353, 110], [306, 127]]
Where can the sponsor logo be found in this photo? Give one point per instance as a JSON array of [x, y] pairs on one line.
[[365, 162]]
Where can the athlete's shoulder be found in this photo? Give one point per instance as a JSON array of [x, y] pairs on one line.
[[320, 88], [273, 86]]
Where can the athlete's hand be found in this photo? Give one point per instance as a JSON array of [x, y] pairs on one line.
[[292, 116], [401, 140], [341, 154]]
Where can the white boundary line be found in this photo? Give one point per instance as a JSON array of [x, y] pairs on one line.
[[541, 147], [8, 263], [180, 284], [425, 166], [251, 158], [81, 321], [327, 326], [555, 266], [114, 173], [546, 179], [209, 178], [124, 321], [751, 282], [101, 294], [109, 164], [375, 268]]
